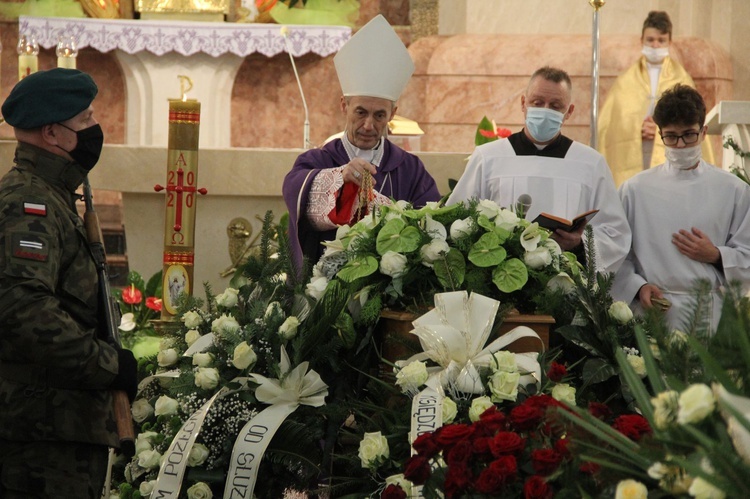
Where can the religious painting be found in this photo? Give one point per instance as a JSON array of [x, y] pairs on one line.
[[176, 281]]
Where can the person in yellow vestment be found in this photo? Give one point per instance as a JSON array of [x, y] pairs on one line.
[[626, 132]]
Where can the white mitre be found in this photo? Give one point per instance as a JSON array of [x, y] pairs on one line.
[[374, 62]]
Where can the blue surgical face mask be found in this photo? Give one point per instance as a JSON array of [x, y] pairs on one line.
[[543, 123]]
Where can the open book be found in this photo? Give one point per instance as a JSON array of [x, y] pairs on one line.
[[553, 223]]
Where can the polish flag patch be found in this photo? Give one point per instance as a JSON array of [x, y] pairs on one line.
[[35, 209]]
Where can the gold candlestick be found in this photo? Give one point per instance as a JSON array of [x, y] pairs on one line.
[[66, 51], [28, 50], [181, 190]]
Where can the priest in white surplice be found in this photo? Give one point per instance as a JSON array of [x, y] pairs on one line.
[[690, 219], [563, 177]]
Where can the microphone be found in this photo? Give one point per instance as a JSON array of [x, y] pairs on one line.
[[522, 205], [306, 130]]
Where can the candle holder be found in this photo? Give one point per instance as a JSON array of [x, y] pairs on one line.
[[28, 52], [66, 51]]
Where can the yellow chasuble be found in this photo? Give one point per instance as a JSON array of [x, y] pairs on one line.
[[621, 118]]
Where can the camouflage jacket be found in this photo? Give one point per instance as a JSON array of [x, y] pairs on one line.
[[54, 370]]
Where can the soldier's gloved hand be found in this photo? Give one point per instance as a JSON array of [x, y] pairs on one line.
[[127, 376]]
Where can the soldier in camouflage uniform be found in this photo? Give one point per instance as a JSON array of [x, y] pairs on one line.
[[56, 373]]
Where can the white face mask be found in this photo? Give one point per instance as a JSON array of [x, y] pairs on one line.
[[655, 55], [685, 158]]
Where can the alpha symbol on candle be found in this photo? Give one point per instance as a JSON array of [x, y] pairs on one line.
[[179, 188]]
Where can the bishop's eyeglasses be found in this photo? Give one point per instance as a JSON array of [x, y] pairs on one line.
[[687, 138]]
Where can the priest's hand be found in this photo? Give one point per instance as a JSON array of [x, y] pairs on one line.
[[353, 170], [568, 241], [695, 245], [648, 129], [647, 292]]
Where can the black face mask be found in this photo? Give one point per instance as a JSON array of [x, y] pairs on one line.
[[89, 147]]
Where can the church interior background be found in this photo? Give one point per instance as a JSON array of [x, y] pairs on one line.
[[472, 57]]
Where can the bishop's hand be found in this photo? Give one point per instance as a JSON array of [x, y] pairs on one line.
[[354, 170]]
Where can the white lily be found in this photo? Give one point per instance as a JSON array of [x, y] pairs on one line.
[[296, 386]]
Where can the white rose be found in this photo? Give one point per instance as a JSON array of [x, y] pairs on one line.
[[462, 228], [400, 481], [631, 489], [620, 311], [701, 489], [393, 264], [244, 356], [192, 319], [228, 298], [373, 449], [143, 441], [207, 378], [531, 236], [503, 360], [638, 364], [288, 329], [273, 308], [478, 406], [202, 359], [504, 386], [316, 287], [665, 409], [149, 459], [200, 490], [537, 258], [146, 488], [488, 208], [225, 324], [564, 393], [412, 376], [562, 282], [432, 251], [165, 406], [141, 410], [167, 357], [127, 322], [198, 455], [507, 219], [450, 410], [695, 403], [192, 336]]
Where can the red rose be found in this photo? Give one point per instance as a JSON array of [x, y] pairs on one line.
[[599, 410], [536, 487], [556, 372], [525, 416], [561, 446], [393, 491], [131, 295], [489, 483], [589, 468], [482, 446], [545, 461], [506, 442], [506, 467], [633, 426], [417, 469], [542, 401], [460, 453], [457, 479], [490, 422], [426, 445], [452, 434], [153, 303]]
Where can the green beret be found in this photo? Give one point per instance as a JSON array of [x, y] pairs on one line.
[[48, 97]]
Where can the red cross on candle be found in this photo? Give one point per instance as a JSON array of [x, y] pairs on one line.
[[179, 188]]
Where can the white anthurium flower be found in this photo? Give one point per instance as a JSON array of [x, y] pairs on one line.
[[435, 229], [488, 208], [127, 322], [507, 219], [453, 335], [531, 237], [563, 282], [552, 246]]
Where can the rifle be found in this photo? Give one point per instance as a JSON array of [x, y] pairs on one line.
[[120, 400]]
